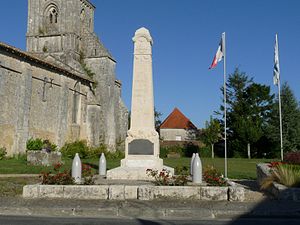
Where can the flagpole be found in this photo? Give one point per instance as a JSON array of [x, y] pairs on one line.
[[225, 102], [280, 120], [279, 101]]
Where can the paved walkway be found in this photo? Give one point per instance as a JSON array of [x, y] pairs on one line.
[[162, 209]]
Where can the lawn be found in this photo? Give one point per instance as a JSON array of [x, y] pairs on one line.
[[237, 168]]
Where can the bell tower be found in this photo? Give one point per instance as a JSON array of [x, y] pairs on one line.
[[58, 27]]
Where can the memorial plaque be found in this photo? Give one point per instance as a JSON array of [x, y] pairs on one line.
[[141, 147]]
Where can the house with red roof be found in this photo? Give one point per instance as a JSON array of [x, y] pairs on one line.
[[177, 127]]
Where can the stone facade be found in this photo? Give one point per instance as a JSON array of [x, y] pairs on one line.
[[177, 127], [64, 87], [176, 135]]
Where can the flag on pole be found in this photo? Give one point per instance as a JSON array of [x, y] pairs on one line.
[[276, 70], [219, 55]]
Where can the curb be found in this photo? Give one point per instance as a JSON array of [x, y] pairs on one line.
[[155, 209]]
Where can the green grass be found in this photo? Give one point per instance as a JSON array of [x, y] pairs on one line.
[[237, 168], [19, 166]]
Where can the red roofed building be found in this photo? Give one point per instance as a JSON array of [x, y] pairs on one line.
[[177, 127]]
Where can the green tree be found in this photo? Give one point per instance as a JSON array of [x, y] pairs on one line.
[[157, 119], [211, 133], [290, 122], [249, 106]]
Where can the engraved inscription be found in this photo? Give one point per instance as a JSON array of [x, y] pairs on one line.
[[140, 147]]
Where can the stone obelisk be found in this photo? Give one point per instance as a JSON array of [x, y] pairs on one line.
[[142, 142]]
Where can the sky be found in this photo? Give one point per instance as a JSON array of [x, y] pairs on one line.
[[186, 34]]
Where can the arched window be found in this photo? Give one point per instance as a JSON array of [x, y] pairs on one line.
[[53, 15]]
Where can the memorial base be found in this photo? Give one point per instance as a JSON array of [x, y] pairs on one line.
[[135, 167]]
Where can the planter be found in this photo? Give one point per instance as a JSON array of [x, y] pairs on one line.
[[43, 158], [140, 192], [279, 191]]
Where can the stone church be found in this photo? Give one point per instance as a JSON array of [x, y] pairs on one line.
[[63, 88]]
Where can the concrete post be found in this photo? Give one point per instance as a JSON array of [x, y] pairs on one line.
[[197, 170], [191, 164], [76, 169], [102, 165]]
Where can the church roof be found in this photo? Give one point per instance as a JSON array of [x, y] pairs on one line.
[[27, 56], [177, 120]]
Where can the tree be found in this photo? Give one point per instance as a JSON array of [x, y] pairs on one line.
[[157, 119], [259, 104], [211, 133], [290, 121], [248, 109]]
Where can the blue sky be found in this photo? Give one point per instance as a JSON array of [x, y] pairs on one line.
[[186, 34]]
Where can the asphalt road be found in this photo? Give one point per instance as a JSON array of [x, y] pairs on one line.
[[13, 220]]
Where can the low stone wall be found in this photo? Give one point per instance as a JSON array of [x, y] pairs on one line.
[[127, 192], [279, 191], [43, 158], [262, 172]]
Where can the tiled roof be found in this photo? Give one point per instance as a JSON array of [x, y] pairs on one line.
[[177, 120]]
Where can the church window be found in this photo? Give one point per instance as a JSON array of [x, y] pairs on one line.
[[52, 15]]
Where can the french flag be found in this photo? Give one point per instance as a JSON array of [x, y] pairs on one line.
[[219, 55]]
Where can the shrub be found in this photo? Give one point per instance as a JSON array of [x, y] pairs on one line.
[[2, 153], [87, 175], [189, 149], [115, 155], [164, 151], [286, 174], [275, 164], [48, 146], [164, 177], [181, 170], [205, 152], [34, 144], [70, 149], [57, 176], [292, 157], [95, 152], [38, 144], [213, 177]]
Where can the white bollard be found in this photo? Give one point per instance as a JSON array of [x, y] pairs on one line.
[[197, 170], [191, 165], [76, 169], [102, 165]]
